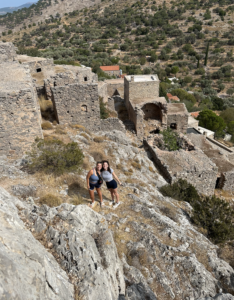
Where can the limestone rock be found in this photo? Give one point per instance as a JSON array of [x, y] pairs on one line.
[[27, 270], [86, 248]]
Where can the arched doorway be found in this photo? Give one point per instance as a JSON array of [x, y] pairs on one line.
[[152, 111]]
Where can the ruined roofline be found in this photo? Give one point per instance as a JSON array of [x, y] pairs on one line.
[[142, 78]]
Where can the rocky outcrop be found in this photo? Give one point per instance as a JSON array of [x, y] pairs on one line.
[[27, 270], [80, 239]]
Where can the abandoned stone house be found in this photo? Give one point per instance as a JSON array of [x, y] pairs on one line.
[[147, 110]]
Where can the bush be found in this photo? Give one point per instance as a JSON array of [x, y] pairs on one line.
[[53, 156], [97, 155], [46, 125], [103, 110], [99, 139], [170, 140], [181, 190], [50, 200], [213, 215]]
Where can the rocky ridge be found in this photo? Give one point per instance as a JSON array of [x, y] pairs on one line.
[[145, 249]]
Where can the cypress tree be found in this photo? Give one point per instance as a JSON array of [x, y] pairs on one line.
[[207, 51]]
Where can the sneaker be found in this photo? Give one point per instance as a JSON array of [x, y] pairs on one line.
[[116, 205], [102, 204], [91, 205]]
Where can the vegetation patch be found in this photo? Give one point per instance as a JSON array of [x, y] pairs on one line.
[[99, 139], [50, 200], [46, 125], [55, 157], [214, 216]]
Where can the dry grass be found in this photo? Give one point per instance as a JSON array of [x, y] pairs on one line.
[[99, 139], [50, 200], [151, 169], [77, 200], [85, 136], [60, 129], [134, 144], [46, 125], [169, 212], [80, 128], [136, 165], [98, 155], [45, 105], [86, 165]]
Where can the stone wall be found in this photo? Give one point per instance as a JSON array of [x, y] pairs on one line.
[[102, 91], [20, 115], [226, 182], [193, 166], [77, 104], [115, 87], [39, 65], [7, 52], [141, 89], [112, 124]]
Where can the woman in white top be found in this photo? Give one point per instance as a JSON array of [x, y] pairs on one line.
[[107, 175]]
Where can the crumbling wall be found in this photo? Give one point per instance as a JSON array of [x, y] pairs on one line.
[[227, 181], [102, 91], [7, 52], [181, 121], [193, 166], [77, 104], [112, 124], [115, 87], [19, 122], [141, 89]]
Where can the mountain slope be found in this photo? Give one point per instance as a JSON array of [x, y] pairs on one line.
[[42, 10], [6, 10]]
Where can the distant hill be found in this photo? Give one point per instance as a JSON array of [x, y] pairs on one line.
[[6, 10]]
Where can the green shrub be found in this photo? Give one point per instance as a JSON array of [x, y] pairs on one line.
[[213, 215], [103, 110], [53, 156], [181, 190], [170, 139]]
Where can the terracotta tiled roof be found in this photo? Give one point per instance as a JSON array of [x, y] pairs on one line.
[[109, 68], [171, 97], [195, 114]]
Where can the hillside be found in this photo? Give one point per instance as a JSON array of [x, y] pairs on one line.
[[147, 243], [6, 10], [144, 37]]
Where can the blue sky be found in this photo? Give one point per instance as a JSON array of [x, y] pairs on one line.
[[6, 3]]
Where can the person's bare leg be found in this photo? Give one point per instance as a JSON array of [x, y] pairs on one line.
[[91, 194], [99, 194], [116, 195], [112, 195]]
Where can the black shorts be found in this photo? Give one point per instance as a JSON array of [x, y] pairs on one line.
[[112, 184], [94, 185]]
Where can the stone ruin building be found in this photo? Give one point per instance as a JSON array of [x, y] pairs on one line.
[[148, 111], [75, 91]]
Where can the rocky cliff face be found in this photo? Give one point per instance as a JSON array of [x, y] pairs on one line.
[[147, 248]]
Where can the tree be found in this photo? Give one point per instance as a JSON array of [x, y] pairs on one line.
[[228, 115], [218, 103], [207, 52], [208, 119], [175, 70], [230, 91]]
